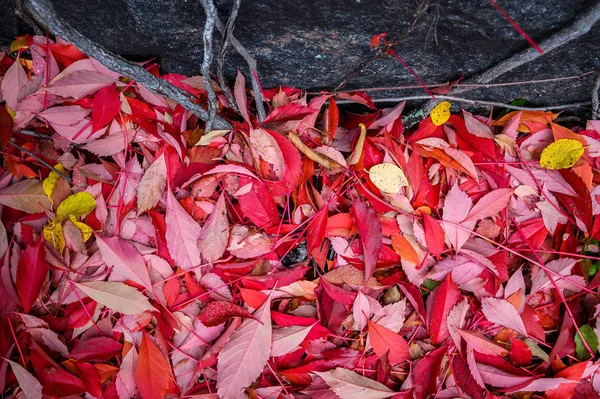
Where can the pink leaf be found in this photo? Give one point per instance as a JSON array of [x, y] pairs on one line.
[[215, 232], [242, 360], [152, 185], [79, 84], [287, 339], [107, 146], [66, 115], [502, 312], [456, 208], [479, 342], [241, 99], [125, 260], [369, 228], [32, 389], [14, 79], [476, 127], [182, 234], [218, 312], [490, 204]]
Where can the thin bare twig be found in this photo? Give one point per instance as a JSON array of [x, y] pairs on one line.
[[251, 61], [39, 160], [361, 67], [475, 102], [225, 38], [595, 104], [211, 15], [44, 13], [581, 26], [472, 85]]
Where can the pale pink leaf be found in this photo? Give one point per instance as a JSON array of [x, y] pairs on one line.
[[349, 385], [393, 316], [125, 260], [499, 378], [246, 245], [503, 313], [516, 284], [457, 319], [65, 115], [242, 360], [560, 269], [480, 343], [27, 196], [79, 84], [125, 383], [267, 148], [361, 310], [107, 146], [544, 385], [456, 208], [476, 127], [215, 232], [14, 79], [31, 387], [182, 234], [490, 204], [241, 98], [287, 339], [79, 133], [116, 296], [463, 159], [152, 185]]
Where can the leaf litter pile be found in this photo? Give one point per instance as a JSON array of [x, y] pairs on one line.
[[315, 254]]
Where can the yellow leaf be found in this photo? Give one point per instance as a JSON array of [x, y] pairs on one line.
[[18, 44], [10, 111], [49, 182], [441, 113], [79, 204], [86, 231], [561, 154], [53, 233], [388, 178], [358, 150]]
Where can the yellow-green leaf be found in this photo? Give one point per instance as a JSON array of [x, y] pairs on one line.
[[79, 204], [53, 233], [441, 113], [86, 231], [49, 182], [561, 154], [388, 178], [358, 150]]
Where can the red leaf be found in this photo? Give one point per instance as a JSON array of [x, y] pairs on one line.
[[90, 377], [6, 127], [369, 228], [385, 341], [58, 383], [434, 235], [442, 300], [333, 119], [257, 204], [106, 106], [32, 270], [574, 372], [288, 112], [292, 159], [520, 354], [316, 231], [425, 373], [219, 312], [152, 372], [98, 349]]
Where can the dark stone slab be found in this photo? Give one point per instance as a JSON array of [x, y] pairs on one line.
[[314, 44]]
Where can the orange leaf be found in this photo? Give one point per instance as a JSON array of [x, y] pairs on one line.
[[527, 117], [561, 132], [384, 340], [152, 372], [404, 249]]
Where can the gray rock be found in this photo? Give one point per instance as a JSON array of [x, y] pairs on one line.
[[314, 44]]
